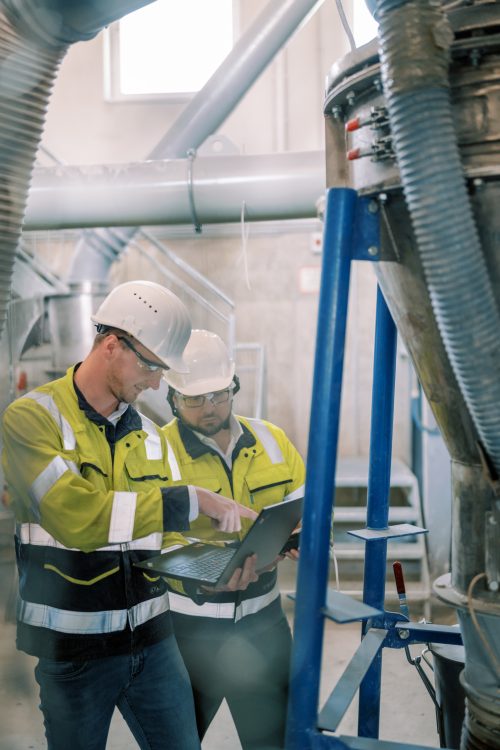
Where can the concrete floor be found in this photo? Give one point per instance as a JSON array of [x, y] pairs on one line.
[[407, 711]]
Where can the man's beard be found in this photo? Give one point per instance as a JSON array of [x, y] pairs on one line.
[[214, 429]]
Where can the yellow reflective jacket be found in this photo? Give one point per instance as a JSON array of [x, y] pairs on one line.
[[89, 501], [266, 469]]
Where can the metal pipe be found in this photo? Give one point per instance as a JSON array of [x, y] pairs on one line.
[[321, 464], [247, 60], [206, 112], [274, 186], [377, 514], [188, 270]]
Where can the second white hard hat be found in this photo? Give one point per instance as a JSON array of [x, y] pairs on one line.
[[210, 366], [153, 315]]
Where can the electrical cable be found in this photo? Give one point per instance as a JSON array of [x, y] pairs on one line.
[[345, 24], [245, 231], [335, 566]]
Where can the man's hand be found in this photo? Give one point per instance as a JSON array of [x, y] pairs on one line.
[[239, 580], [224, 511]]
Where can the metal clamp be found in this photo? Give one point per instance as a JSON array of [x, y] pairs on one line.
[[191, 155]]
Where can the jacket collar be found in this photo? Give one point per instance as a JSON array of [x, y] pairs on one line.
[[195, 448], [129, 421]]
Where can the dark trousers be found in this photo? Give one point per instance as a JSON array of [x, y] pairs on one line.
[[150, 688], [246, 665]]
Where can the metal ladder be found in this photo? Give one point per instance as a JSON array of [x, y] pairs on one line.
[[352, 473], [351, 232]]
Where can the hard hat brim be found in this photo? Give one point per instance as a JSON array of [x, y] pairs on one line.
[[209, 385], [175, 363]]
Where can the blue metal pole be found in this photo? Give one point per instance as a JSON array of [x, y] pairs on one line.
[[384, 371], [314, 561]]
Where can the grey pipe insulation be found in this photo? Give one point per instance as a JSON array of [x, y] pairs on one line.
[[415, 40], [27, 73]]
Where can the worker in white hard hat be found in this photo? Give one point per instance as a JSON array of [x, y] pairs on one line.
[[89, 478], [236, 645]]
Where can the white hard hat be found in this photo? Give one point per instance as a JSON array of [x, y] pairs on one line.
[[153, 315], [210, 366]]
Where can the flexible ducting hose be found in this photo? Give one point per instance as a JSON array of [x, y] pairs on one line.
[[27, 73], [415, 40], [34, 36]]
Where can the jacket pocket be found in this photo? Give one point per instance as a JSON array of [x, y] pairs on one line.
[[268, 486], [145, 471]]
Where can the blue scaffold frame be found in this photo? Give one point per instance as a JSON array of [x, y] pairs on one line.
[[351, 232]]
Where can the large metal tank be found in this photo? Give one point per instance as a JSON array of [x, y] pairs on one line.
[[362, 153], [71, 332]]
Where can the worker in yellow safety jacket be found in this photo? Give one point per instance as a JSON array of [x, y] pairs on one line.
[[91, 486], [236, 645]]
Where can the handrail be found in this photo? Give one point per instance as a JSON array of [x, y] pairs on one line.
[[189, 270], [176, 280]]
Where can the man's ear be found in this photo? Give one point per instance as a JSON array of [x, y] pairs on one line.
[[110, 345]]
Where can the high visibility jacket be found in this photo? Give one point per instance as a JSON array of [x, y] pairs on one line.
[[88, 502], [266, 469]]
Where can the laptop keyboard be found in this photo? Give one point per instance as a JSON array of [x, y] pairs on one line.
[[207, 566]]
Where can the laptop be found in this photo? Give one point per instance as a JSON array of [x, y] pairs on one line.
[[214, 566]]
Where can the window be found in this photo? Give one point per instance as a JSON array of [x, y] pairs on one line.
[[168, 49], [364, 25]]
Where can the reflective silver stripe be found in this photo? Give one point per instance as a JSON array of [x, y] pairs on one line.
[[299, 492], [69, 440], [174, 466], [121, 525], [194, 505], [251, 606], [49, 476], [150, 542], [84, 623], [66, 621], [268, 441], [154, 450], [145, 611], [32, 533], [222, 610]]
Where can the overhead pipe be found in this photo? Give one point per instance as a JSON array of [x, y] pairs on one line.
[[208, 109], [271, 186], [34, 37]]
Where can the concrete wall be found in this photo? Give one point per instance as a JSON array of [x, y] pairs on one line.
[[282, 112]]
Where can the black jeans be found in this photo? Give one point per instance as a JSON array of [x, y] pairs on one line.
[[247, 666]]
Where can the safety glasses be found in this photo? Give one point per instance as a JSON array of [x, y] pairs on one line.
[[142, 361], [195, 402]]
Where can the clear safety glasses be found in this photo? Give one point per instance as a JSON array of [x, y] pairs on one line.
[[142, 361], [195, 402]]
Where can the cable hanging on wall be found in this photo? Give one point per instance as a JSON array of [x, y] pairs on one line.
[[191, 156]]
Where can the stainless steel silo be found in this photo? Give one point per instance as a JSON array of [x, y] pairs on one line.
[[413, 121]]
